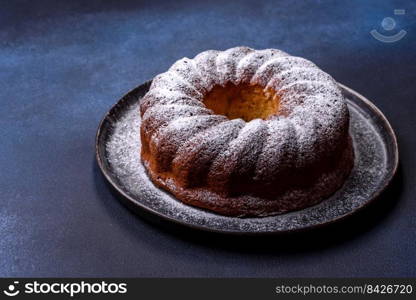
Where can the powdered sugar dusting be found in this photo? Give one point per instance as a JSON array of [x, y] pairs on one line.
[[368, 175], [198, 165], [303, 87]]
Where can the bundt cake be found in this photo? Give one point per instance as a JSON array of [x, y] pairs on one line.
[[246, 132]]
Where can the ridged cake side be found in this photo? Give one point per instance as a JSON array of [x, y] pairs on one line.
[[261, 167]]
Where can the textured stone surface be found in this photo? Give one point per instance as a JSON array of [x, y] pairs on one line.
[[63, 64]]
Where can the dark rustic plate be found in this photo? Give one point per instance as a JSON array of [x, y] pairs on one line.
[[118, 156]]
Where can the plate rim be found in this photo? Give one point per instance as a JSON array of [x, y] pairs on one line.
[[136, 204]]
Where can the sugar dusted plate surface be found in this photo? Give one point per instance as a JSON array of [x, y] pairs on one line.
[[118, 156]]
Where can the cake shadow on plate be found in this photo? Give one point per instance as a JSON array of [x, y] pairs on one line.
[[307, 240]]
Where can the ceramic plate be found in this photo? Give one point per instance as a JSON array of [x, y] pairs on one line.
[[118, 156]]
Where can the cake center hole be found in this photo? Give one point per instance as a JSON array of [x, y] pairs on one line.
[[243, 101]]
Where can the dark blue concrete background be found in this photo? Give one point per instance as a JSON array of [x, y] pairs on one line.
[[63, 64]]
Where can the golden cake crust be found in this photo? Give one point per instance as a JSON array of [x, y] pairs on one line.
[[282, 145]]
